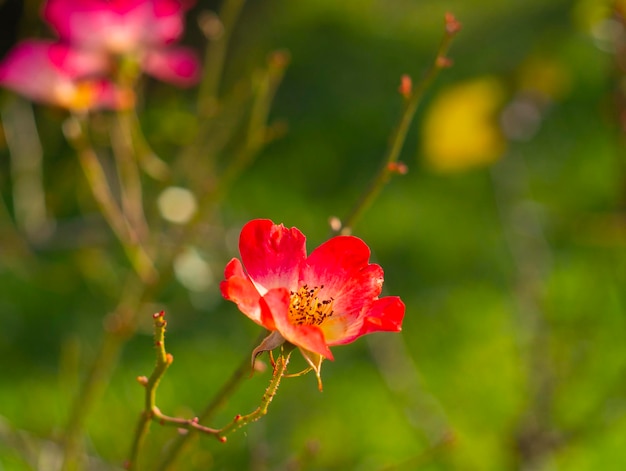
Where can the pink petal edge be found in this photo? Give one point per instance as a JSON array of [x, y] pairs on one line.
[[239, 289], [272, 254], [179, 66]]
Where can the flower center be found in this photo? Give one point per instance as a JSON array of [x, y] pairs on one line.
[[307, 308]]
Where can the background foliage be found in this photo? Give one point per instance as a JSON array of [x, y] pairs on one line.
[[512, 353]]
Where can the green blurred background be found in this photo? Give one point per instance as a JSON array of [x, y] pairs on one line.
[[513, 351]]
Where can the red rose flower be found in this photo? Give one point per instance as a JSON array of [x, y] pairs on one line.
[[328, 298]]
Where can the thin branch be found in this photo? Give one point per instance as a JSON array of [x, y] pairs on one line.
[[163, 361], [215, 57], [219, 399], [280, 367], [257, 132], [109, 207], [128, 172], [152, 413], [149, 162], [96, 177], [413, 97]]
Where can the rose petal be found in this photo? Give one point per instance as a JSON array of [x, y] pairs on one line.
[[234, 268], [239, 289], [385, 314], [27, 58], [179, 66], [75, 63], [272, 254], [342, 266]]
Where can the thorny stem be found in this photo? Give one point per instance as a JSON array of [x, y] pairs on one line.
[[152, 413], [280, 367], [242, 372], [119, 326], [412, 100], [121, 322]]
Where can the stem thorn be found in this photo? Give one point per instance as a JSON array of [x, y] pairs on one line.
[[143, 380]]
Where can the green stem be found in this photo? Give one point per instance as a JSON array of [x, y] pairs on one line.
[[180, 442], [163, 361], [149, 162], [257, 135], [215, 57], [280, 367], [227, 390], [101, 190], [257, 129], [412, 100], [152, 413], [128, 172], [75, 132]]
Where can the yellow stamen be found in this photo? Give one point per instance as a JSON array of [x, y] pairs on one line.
[[307, 308]]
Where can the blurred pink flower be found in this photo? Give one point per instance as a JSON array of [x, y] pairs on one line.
[[143, 29], [120, 26], [55, 73]]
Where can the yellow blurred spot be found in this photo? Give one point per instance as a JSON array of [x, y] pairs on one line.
[[78, 96], [460, 130], [85, 95]]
